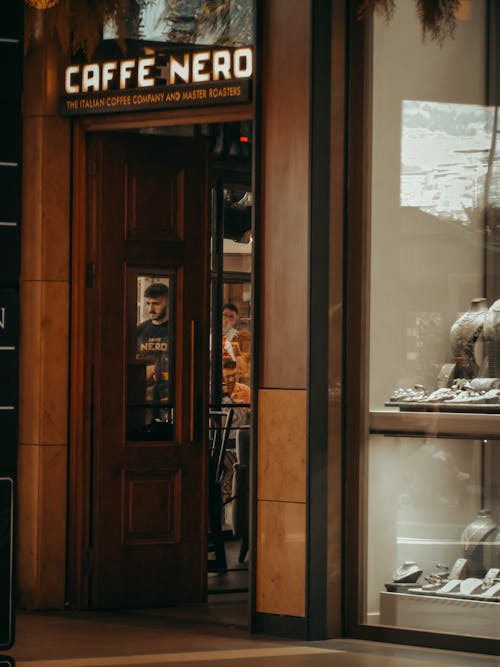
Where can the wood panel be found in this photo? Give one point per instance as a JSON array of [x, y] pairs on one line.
[[153, 213], [152, 507], [285, 194], [45, 304], [149, 536]]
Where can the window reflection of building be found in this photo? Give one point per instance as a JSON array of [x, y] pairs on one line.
[[223, 22]]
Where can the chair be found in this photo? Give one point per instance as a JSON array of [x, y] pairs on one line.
[[240, 491], [220, 427]]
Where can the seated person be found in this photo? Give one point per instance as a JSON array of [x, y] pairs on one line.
[[235, 392], [243, 361], [229, 331]]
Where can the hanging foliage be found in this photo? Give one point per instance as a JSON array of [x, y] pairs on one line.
[[77, 23], [437, 17]]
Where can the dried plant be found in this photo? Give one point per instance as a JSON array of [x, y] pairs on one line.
[[77, 23], [437, 17]]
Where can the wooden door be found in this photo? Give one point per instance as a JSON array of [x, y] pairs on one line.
[[149, 232]]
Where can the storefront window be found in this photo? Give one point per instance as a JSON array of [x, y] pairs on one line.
[[219, 22], [432, 548]]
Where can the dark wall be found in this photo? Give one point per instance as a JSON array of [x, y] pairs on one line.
[[10, 222], [11, 54]]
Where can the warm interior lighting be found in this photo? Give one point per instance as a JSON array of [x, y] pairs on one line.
[[41, 4], [464, 11]]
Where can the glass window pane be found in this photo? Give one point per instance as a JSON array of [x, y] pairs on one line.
[[434, 183], [432, 545], [433, 542], [150, 385]]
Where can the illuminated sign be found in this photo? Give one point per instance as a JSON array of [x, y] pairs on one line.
[[194, 78]]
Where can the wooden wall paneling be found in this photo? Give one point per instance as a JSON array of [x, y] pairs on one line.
[[43, 408], [283, 300], [285, 194], [79, 555]]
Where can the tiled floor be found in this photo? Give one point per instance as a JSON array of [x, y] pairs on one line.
[[213, 635]]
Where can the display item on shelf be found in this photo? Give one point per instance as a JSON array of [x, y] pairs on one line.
[[475, 534], [408, 573], [492, 592], [491, 329], [464, 334], [477, 531], [460, 384], [458, 569]]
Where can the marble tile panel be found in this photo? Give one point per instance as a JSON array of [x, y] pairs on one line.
[[281, 467], [281, 558]]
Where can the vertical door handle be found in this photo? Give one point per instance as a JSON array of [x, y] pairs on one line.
[[192, 407]]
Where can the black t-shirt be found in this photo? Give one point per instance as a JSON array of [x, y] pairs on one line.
[[153, 348]]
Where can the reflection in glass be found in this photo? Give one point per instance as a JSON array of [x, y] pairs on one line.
[[447, 156], [150, 383], [211, 22], [449, 198], [435, 196], [433, 508]]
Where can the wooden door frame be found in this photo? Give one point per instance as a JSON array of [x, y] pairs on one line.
[[79, 559]]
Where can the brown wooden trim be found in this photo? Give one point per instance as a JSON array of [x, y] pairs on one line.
[[357, 309], [138, 120], [292, 627], [336, 323], [79, 450], [257, 287], [285, 193], [435, 424]]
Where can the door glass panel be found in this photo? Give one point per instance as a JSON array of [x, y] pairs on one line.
[[150, 381], [231, 360]]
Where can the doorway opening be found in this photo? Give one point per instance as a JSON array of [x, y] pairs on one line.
[[170, 233], [230, 350]]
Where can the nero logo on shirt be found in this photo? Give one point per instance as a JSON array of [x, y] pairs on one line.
[[153, 345]]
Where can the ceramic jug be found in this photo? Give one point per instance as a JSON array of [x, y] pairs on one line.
[[465, 335]]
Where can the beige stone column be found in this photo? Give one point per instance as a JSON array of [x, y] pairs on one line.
[[44, 341]]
